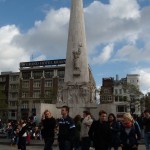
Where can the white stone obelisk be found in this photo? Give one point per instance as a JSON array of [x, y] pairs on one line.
[[76, 70], [77, 89]]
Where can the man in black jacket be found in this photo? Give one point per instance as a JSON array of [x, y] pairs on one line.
[[66, 133], [100, 132], [49, 124]]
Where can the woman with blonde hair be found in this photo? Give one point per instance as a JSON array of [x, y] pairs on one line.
[[130, 133]]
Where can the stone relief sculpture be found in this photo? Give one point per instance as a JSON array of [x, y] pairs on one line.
[[85, 94], [73, 93], [76, 55]]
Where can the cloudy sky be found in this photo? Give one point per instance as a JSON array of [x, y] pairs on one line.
[[118, 35]]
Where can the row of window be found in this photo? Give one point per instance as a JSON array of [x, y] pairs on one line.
[[40, 74], [2, 79], [14, 78], [121, 108], [116, 91], [23, 105], [106, 98], [120, 91], [14, 86], [48, 83], [36, 94], [117, 98]]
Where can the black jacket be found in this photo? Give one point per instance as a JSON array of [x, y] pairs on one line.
[[132, 138], [66, 129], [146, 124], [115, 128], [100, 134], [49, 125]]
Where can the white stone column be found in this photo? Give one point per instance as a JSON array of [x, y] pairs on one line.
[[76, 69]]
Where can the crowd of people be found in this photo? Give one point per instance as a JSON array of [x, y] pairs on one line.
[[83, 132]]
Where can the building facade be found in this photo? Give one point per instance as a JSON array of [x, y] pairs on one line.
[[118, 93], [37, 82], [13, 96], [4, 86]]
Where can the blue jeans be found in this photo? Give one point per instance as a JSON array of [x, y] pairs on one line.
[[147, 140], [48, 143]]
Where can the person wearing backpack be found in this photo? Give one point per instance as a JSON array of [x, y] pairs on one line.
[[129, 133]]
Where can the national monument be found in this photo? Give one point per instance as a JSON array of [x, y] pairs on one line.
[[78, 91]]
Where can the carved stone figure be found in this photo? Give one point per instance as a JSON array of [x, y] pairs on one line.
[[76, 55]]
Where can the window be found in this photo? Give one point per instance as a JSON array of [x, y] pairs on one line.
[[36, 94], [36, 83], [109, 98], [120, 91], [121, 108], [102, 98], [49, 74], [106, 91], [61, 73], [14, 86], [25, 94], [120, 98], [37, 74], [48, 83], [24, 105], [116, 98], [12, 103], [14, 95], [13, 113], [14, 78], [131, 81], [124, 90], [25, 84], [2, 79], [26, 75], [116, 91]]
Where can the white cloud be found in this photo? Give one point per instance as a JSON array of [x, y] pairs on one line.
[[104, 56], [124, 9], [10, 55], [48, 36], [144, 78], [105, 25], [120, 22]]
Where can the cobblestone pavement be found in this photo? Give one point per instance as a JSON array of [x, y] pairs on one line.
[[38, 145], [8, 147]]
